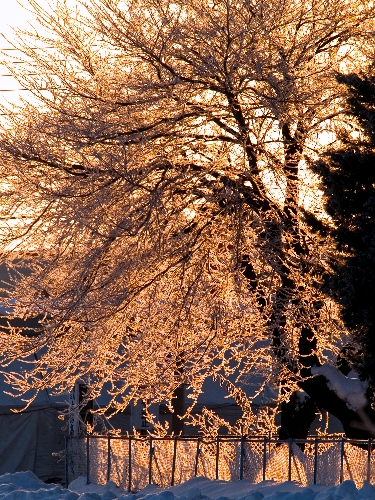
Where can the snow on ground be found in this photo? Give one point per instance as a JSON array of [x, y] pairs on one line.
[[26, 486]]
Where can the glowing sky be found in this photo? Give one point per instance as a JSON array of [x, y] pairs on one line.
[[15, 14], [12, 14]]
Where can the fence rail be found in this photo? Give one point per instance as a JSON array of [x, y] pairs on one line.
[[133, 462]]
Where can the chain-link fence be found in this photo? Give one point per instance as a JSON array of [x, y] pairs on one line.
[[133, 462]]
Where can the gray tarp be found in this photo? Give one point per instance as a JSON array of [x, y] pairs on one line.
[[28, 438], [28, 441]]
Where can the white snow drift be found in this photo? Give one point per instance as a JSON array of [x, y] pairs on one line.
[[26, 486]]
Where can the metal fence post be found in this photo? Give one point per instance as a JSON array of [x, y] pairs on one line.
[[217, 458], [66, 461], [290, 459], [87, 459], [342, 460], [315, 460], [242, 456], [369, 460], [174, 460], [109, 459], [130, 464], [264, 458], [150, 463], [197, 458]]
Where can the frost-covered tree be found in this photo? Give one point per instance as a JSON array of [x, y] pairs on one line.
[[159, 177]]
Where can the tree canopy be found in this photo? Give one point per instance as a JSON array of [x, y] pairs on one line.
[[159, 185]]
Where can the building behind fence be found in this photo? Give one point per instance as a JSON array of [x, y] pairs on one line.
[[133, 462]]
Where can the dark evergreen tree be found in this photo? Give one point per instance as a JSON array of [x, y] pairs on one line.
[[348, 178]]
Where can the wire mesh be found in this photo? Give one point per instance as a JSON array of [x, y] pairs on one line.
[[140, 464], [134, 462], [119, 462], [75, 465], [98, 455], [162, 461], [354, 463], [253, 460]]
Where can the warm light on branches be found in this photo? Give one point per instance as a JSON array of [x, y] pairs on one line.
[[161, 178]]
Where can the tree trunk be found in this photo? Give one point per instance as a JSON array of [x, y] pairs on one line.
[[297, 415], [178, 405]]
